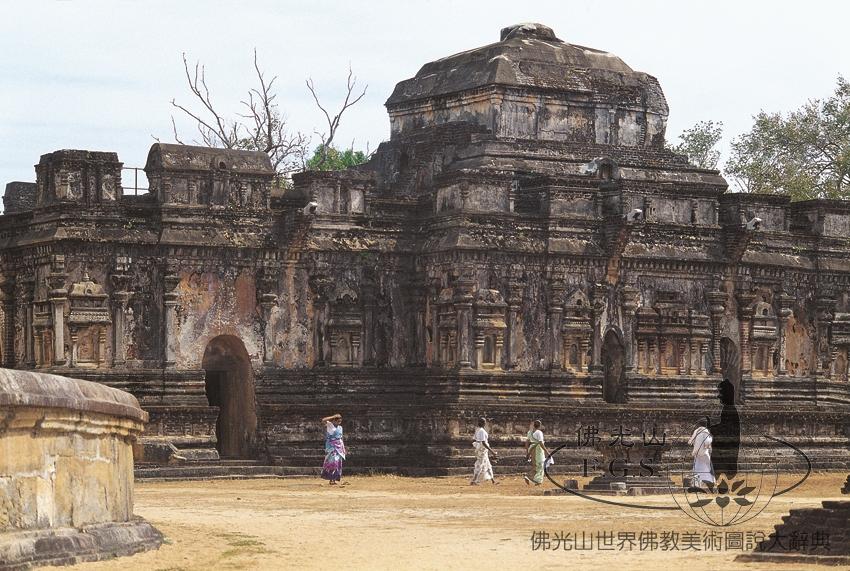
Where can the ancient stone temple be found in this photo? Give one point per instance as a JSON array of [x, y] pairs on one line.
[[524, 246]]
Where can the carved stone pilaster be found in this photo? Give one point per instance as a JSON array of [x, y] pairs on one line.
[[825, 307], [320, 285], [171, 301], [368, 292], [660, 348], [515, 292], [463, 306], [25, 294], [716, 308], [415, 295], [785, 303], [695, 348], [745, 317], [7, 322], [267, 300], [598, 304], [682, 349], [74, 348], [556, 312], [652, 361], [631, 302], [120, 297], [434, 289], [58, 297]]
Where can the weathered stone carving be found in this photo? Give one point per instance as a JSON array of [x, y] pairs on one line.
[[577, 333], [489, 327], [87, 321], [523, 237]]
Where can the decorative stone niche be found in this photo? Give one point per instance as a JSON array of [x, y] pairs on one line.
[[840, 344], [672, 339], [576, 333], [764, 337], [489, 327], [344, 329], [87, 323], [447, 329]]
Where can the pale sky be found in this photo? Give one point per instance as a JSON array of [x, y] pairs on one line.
[[100, 75]]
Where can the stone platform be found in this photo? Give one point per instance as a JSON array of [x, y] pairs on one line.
[[635, 486], [69, 546], [66, 472]]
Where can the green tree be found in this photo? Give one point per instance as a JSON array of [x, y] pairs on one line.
[[332, 159], [804, 154], [699, 143]]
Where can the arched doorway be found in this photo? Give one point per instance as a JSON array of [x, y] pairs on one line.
[[613, 389], [230, 386], [730, 365]]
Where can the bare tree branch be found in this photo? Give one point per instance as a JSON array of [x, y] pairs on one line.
[[260, 126], [333, 122]]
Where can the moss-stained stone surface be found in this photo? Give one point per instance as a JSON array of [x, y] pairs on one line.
[[66, 471]]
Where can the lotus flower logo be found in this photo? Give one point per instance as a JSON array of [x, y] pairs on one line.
[[723, 493], [732, 499]]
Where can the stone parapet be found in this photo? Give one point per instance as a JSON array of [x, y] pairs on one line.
[[19, 197]]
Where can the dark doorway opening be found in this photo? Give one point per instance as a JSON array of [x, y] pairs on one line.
[[613, 367], [230, 386], [730, 366]]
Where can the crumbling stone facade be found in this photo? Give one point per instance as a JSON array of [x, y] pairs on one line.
[[522, 246]]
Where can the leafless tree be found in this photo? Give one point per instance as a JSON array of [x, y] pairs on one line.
[[333, 121], [259, 127]]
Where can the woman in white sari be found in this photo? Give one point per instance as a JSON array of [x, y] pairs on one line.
[[701, 451], [483, 470]]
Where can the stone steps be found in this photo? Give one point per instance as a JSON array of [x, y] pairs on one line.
[[801, 537], [197, 471]]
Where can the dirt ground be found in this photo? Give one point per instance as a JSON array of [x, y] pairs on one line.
[[387, 522]]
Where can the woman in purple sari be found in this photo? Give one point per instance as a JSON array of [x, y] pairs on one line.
[[334, 449]]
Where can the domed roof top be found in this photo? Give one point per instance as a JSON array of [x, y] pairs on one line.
[[531, 56]]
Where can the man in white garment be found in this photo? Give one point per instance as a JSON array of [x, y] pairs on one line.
[[701, 451], [483, 470]]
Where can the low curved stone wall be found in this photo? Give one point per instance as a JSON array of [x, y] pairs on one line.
[[66, 471]]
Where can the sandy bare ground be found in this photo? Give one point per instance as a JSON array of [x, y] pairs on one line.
[[390, 522]]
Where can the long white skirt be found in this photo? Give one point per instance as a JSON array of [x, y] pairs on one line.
[[483, 469], [702, 468]]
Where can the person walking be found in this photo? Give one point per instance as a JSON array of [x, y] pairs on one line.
[[700, 442], [483, 470], [536, 453], [334, 449]]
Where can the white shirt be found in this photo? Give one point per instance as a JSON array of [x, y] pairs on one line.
[[538, 435], [481, 435], [329, 427]]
